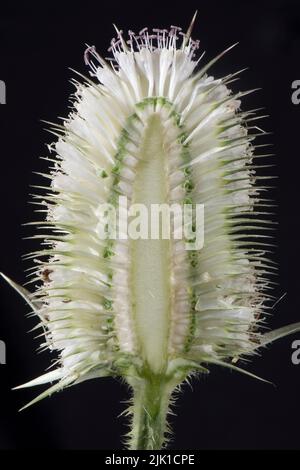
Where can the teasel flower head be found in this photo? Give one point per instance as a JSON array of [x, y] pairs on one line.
[[153, 126]]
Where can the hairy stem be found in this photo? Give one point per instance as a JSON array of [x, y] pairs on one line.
[[150, 408]]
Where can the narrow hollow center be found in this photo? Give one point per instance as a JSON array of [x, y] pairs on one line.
[[150, 258]]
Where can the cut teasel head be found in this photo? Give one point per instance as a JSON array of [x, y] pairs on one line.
[[152, 126]]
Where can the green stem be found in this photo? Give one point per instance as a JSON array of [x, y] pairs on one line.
[[151, 404]]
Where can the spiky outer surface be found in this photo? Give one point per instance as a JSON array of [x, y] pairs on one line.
[[153, 126]]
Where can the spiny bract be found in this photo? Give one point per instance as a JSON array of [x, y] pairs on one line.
[[153, 127]]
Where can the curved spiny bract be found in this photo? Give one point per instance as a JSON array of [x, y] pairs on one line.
[[152, 126]]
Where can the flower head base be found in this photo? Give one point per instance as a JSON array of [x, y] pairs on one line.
[[156, 131]]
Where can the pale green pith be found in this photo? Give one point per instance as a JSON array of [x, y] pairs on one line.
[[150, 274]]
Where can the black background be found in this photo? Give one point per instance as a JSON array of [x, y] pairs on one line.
[[37, 45]]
